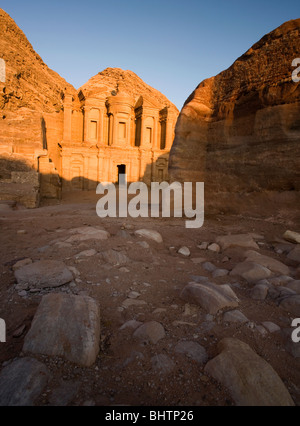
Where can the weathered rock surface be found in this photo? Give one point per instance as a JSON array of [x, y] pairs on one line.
[[43, 274], [115, 257], [235, 316], [292, 236], [209, 296], [239, 240], [150, 332], [248, 377], [267, 261], [251, 271], [87, 233], [292, 305], [295, 254], [294, 285], [22, 381], [66, 326], [259, 292], [192, 350], [150, 234], [234, 127]]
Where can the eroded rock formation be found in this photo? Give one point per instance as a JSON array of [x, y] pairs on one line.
[[239, 131]]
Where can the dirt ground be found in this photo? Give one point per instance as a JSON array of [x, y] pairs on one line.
[[123, 373]]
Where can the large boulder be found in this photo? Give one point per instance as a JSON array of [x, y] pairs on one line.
[[67, 326], [248, 377], [239, 131], [43, 274], [22, 381], [211, 297]]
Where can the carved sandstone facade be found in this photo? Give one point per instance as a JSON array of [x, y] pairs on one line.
[[107, 133]]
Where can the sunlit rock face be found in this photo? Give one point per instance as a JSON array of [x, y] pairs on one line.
[[239, 131]]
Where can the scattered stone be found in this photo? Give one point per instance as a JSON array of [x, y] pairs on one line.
[[150, 332], [133, 295], [22, 263], [132, 324], [225, 259], [133, 302], [134, 356], [87, 233], [250, 271], [115, 257], [43, 274], [240, 240], [209, 296], [291, 236], [250, 380], [291, 304], [295, 254], [268, 262], [184, 251], [190, 310], [66, 326], [22, 381], [220, 273], [270, 326], [261, 330], [235, 316], [192, 350], [214, 247], [144, 244], [259, 292], [74, 271], [209, 317], [150, 234], [282, 280], [22, 293], [86, 253], [190, 324], [209, 267], [124, 270], [21, 232], [203, 246], [162, 364], [123, 234]]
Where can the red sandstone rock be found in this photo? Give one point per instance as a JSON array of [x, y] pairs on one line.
[[239, 131]]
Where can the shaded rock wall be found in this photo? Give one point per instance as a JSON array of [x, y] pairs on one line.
[[239, 131]]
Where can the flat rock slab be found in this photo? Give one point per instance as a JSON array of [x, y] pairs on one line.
[[87, 233], [192, 350], [291, 304], [240, 240], [150, 234], [43, 274], [268, 262], [150, 332], [67, 326], [250, 271], [22, 381], [293, 237], [235, 316], [209, 296], [115, 257], [250, 380]]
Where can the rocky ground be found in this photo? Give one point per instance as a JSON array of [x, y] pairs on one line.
[[187, 317]]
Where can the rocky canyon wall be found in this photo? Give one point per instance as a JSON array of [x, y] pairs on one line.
[[239, 132]]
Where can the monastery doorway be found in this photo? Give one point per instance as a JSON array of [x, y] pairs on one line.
[[121, 171]]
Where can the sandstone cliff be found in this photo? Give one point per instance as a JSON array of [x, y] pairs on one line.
[[30, 99], [239, 131]]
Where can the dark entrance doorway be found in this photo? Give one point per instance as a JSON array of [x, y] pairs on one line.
[[121, 171]]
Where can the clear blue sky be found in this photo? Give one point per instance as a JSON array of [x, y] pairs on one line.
[[171, 44]]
